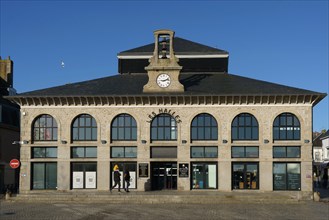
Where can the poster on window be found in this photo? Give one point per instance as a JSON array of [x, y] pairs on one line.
[[280, 181], [294, 181], [212, 176], [90, 180], [132, 180], [77, 180]]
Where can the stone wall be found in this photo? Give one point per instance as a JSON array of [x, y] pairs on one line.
[[184, 114]]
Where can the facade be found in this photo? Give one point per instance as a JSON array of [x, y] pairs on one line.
[[176, 119], [9, 128], [321, 158], [321, 149], [325, 147], [317, 148]]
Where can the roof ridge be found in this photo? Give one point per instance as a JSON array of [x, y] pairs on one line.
[[181, 45]]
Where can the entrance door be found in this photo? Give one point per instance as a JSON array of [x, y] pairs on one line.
[[163, 175]]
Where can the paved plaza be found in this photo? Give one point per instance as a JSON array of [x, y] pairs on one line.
[[83, 211]]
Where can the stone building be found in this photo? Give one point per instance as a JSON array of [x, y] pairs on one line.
[[176, 119], [9, 128]]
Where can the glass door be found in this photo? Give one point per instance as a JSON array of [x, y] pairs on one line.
[[163, 176]]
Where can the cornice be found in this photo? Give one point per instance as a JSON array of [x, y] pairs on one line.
[[166, 99]]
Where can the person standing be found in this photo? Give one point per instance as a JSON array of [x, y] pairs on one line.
[[117, 179], [127, 180]]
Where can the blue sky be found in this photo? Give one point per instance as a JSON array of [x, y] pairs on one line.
[[283, 42]]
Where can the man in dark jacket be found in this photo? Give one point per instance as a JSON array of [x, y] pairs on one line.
[[117, 179], [127, 180]]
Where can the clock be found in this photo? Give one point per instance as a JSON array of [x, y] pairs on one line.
[[163, 80]]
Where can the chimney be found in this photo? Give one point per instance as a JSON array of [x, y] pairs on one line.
[[6, 71]]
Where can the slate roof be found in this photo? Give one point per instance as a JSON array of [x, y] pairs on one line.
[[195, 84], [181, 47], [317, 141]]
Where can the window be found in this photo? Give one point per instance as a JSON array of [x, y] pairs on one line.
[[245, 152], [45, 128], [245, 176], [204, 127], [286, 152], [204, 176], [163, 127], [286, 127], [44, 175], [244, 127], [84, 128], [164, 152], [83, 152], [286, 176], [124, 128], [204, 152], [44, 152], [127, 152], [317, 156]]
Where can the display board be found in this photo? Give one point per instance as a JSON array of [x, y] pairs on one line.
[[183, 170], [143, 169]]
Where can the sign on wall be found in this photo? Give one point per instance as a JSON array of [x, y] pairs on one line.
[[143, 169], [164, 111], [14, 163], [183, 170]]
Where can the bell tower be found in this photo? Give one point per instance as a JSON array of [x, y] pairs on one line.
[[163, 70]]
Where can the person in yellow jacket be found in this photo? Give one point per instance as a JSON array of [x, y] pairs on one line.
[[117, 179]]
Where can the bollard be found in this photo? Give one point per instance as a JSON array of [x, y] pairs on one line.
[[8, 194], [316, 196]]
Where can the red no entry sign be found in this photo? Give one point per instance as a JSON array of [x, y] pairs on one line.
[[14, 163]]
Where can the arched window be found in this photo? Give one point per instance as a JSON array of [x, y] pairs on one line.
[[286, 126], [163, 127], [124, 127], [84, 128], [244, 127], [45, 128], [204, 127]]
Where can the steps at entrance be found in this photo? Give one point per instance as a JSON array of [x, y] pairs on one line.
[[158, 197]]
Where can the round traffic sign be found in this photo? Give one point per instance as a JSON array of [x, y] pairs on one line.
[[14, 163]]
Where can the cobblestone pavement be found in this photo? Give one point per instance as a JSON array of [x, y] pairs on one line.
[[86, 211]]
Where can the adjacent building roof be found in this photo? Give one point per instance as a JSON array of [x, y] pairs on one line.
[[325, 135]]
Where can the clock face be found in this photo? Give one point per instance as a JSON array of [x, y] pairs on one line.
[[163, 80]]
